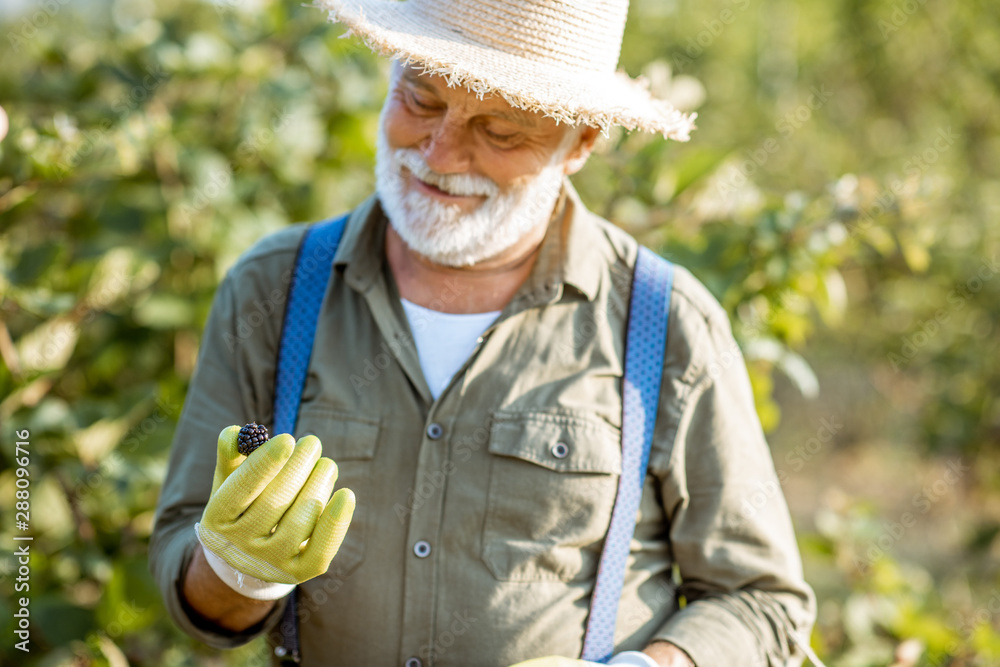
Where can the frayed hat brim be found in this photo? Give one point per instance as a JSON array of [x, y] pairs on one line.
[[603, 100]]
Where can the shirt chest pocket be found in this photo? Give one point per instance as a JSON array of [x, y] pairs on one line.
[[351, 442], [553, 482]]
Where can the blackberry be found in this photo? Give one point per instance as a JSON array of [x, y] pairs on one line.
[[252, 436]]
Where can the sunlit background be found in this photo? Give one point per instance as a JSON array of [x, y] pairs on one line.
[[841, 198]]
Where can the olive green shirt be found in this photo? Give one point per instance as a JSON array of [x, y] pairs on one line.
[[476, 539]]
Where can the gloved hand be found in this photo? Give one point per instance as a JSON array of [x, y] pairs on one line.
[[628, 658], [263, 507]]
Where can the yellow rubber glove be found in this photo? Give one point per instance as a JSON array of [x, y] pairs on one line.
[[264, 506]]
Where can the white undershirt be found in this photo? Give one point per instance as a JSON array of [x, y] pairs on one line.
[[444, 340]]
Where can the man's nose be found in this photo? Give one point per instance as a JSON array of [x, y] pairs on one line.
[[447, 150]]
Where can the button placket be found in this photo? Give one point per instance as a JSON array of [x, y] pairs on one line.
[[422, 526]]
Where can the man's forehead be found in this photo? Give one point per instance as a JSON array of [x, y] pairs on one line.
[[491, 105]]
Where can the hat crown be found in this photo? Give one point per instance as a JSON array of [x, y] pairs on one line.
[[558, 58], [571, 34]]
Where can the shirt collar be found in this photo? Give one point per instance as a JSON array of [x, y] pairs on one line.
[[570, 252], [361, 252], [575, 243]]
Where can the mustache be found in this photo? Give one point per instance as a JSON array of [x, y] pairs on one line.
[[456, 184]]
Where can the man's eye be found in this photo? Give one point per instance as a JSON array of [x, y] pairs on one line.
[[419, 103], [499, 137]]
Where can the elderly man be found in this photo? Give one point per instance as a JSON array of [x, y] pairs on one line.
[[465, 392]]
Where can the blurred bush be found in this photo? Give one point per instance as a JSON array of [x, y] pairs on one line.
[[842, 195]]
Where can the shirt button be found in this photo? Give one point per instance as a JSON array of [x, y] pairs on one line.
[[560, 450], [435, 431], [422, 549], [413, 662]]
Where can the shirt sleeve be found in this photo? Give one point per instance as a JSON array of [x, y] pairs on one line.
[[729, 526], [230, 386]]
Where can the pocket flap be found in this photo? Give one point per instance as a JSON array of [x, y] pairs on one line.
[[345, 437], [560, 442]]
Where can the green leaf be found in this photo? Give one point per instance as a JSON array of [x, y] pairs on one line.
[[164, 311], [58, 622], [34, 262]]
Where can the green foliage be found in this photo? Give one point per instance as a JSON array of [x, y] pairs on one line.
[[840, 198], [146, 152]]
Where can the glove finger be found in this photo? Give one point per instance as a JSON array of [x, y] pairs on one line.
[[275, 500], [251, 478], [227, 457], [299, 521], [330, 531]]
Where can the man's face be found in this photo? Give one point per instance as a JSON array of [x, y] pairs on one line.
[[463, 179]]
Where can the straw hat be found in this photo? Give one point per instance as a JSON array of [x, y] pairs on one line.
[[556, 57]]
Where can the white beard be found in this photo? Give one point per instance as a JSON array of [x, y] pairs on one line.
[[444, 233]]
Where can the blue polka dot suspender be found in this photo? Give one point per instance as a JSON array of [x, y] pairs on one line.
[[313, 267], [645, 345]]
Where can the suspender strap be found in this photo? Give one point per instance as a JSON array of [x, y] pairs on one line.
[[288, 651], [645, 343], [313, 267]]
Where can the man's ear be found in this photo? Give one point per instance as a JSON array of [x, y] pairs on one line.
[[581, 150]]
